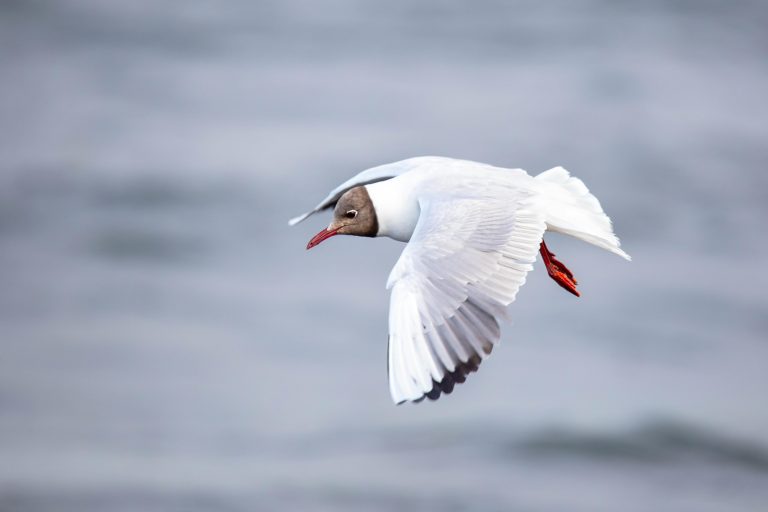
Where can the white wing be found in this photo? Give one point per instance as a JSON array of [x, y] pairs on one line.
[[463, 266], [372, 175]]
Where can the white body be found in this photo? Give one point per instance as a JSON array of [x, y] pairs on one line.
[[474, 231], [564, 201]]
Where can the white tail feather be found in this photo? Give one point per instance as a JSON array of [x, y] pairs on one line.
[[571, 209]]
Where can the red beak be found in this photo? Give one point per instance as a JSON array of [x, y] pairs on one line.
[[323, 235]]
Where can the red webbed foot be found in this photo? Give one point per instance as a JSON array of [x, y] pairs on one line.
[[558, 271]]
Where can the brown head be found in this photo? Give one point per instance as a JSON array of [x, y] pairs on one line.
[[354, 215]]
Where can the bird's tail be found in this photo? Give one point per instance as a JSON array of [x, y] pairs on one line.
[[571, 209]]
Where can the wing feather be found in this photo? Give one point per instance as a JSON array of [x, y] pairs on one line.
[[366, 177], [463, 266]]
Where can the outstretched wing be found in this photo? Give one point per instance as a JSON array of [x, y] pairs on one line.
[[372, 175], [463, 266]]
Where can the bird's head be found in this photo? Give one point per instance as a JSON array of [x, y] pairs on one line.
[[354, 215]]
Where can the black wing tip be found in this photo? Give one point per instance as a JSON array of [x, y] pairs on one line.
[[446, 386]]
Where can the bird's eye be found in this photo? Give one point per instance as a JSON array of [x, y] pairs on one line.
[[351, 214]]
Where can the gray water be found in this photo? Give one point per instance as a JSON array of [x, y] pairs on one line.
[[166, 343]]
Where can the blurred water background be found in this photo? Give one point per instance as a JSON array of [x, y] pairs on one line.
[[168, 344]]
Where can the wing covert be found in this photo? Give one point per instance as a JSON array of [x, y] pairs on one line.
[[463, 266]]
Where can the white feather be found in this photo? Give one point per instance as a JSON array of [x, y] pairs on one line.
[[474, 232]]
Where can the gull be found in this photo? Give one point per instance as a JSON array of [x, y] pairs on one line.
[[472, 233]]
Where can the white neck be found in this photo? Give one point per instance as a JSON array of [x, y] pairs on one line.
[[397, 209]]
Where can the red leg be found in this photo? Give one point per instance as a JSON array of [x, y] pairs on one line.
[[558, 271]]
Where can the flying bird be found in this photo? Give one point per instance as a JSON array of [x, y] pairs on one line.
[[473, 231]]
